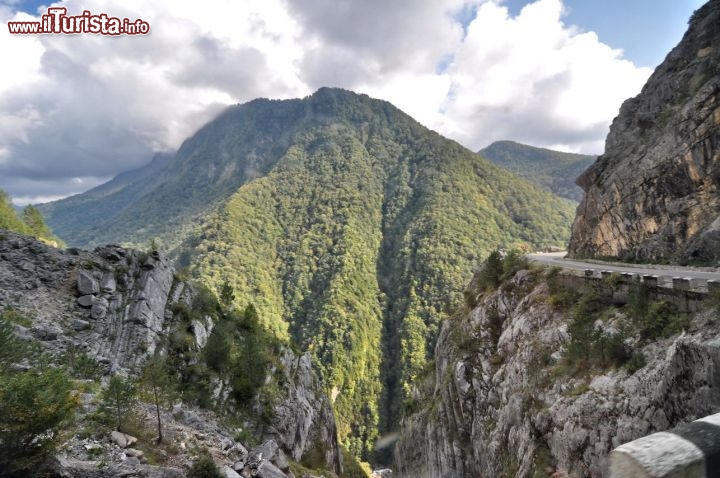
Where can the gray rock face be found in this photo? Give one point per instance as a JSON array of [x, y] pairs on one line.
[[655, 193], [58, 289], [494, 404], [303, 420], [71, 468]]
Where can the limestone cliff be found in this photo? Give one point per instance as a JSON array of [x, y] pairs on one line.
[[501, 403], [115, 307], [654, 195]]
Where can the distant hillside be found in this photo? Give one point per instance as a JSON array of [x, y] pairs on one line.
[[552, 170], [348, 225]]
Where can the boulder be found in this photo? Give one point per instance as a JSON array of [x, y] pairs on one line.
[[87, 284], [121, 439], [86, 300], [79, 324], [108, 284], [135, 453], [230, 473], [268, 470], [237, 452], [200, 332], [99, 308], [47, 332], [272, 452]]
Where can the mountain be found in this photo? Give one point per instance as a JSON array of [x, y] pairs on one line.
[[552, 170], [349, 226], [655, 193], [76, 217]]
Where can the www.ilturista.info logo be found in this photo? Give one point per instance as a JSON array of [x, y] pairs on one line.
[[57, 21]]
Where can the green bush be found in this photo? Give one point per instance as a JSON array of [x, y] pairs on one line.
[[80, 365], [589, 344], [654, 319], [636, 362], [560, 297], [498, 268], [661, 319], [513, 262], [204, 467]]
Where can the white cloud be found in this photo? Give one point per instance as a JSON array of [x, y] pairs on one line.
[[533, 79], [89, 107]]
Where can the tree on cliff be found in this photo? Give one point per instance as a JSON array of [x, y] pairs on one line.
[[8, 217], [117, 400], [155, 387]]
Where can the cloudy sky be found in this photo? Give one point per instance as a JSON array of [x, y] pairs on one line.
[[76, 110]]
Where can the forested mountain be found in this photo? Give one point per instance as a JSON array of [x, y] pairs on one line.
[[552, 170], [349, 226]]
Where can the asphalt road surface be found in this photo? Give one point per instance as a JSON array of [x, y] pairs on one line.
[[558, 259]]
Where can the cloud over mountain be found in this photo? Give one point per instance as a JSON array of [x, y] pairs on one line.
[[76, 110]]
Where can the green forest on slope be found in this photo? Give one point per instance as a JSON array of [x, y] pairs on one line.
[[356, 242], [552, 170]]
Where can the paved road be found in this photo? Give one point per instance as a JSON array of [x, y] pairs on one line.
[[557, 259]]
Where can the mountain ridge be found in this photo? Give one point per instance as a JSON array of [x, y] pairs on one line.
[[553, 170]]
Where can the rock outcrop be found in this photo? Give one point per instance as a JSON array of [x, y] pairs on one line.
[[655, 193], [303, 419], [110, 304], [115, 307], [501, 404]]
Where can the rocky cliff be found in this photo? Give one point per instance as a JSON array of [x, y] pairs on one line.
[[653, 195], [116, 307], [505, 401]]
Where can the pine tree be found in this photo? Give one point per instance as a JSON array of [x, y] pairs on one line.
[[118, 398], [156, 387], [35, 222], [8, 217]]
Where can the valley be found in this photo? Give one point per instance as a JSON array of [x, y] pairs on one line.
[[322, 286]]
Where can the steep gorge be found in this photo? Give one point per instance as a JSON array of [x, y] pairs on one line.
[[348, 225], [355, 243]]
